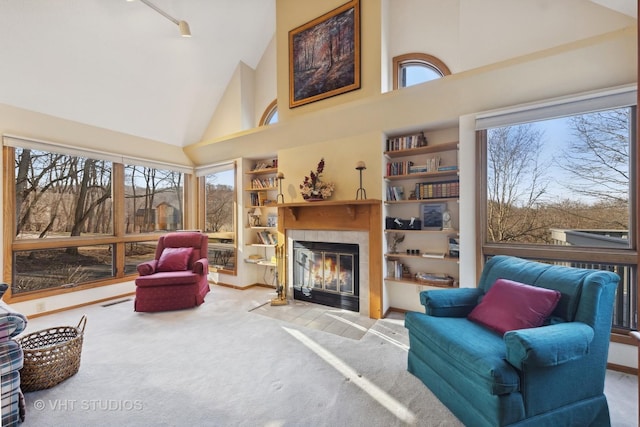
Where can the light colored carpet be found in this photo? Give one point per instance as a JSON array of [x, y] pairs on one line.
[[345, 323], [222, 365]]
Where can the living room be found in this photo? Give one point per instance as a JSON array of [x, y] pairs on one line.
[[500, 56]]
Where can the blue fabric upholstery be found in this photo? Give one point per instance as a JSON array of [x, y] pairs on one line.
[[528, 377]]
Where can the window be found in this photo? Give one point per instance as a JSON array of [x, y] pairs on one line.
[[560, 189], [219, 214], [270, 115], [59, 195], [153, 199], [66, 227], [414, 68]]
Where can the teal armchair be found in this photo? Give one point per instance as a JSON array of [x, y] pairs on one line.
[[552, 375]]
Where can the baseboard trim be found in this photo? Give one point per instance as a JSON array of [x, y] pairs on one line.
[[84, 304], [243, 288]]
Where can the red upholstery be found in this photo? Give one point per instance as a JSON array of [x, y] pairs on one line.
[[174, 290]]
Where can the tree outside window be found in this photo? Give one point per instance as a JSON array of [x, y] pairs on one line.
[[562, 181], [564, 185], [220, 218]]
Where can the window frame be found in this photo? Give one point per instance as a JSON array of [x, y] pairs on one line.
[[118, 240], [614, 256], [417, 58], [268, 114], [201, 174]]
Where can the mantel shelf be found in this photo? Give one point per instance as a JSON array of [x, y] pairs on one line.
[[349, 205]]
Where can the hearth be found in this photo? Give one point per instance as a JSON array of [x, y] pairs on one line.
[[327, 273]]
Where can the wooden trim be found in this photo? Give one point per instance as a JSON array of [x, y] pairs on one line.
[[8, 214], [243, 288], [34, 295], [550, 252], [417, 57], [188, 199], [84, 304], [117, 181], [268, 112]]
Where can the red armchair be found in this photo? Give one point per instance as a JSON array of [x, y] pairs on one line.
[[177, 277]]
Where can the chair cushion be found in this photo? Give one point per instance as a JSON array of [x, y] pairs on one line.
[[509, 305], [174, 259], [168, 278], [463, 352]]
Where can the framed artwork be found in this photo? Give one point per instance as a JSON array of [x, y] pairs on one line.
[[324, 56], [431, 214]]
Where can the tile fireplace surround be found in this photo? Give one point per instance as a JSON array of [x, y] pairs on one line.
[[344, 221]]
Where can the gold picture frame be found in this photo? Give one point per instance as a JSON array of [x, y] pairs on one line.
[[324, 56]]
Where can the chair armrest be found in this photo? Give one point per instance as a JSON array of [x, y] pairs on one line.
[[201, 266], [12, 323], [548, 345], [147, 268], [450, 302]]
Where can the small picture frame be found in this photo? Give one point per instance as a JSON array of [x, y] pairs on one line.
[[272, 220], [431, 215]]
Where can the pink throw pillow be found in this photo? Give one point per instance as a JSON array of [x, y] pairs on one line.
[[510, 305], [174, 259]]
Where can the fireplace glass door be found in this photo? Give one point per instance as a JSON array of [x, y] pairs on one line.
[[326, 273]]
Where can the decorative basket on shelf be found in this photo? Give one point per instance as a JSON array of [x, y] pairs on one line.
[[434, 279], [51, 356]]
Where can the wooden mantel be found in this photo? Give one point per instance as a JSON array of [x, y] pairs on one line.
[[342, 215]]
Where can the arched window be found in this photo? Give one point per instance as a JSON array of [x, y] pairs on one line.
[[413, 68], [270, 114]]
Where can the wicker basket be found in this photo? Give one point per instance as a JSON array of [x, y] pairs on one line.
[[51, 356], [430, 280]]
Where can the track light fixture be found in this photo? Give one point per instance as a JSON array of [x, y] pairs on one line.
[[183, 26]]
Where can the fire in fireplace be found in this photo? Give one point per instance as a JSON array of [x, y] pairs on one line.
[[327, 274]]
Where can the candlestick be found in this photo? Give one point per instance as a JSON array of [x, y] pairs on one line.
[[361, 193], [280, 177]]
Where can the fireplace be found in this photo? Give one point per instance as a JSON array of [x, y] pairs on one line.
[[341, 221], [326, 273]]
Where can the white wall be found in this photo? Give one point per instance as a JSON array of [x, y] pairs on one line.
[[265, 81]]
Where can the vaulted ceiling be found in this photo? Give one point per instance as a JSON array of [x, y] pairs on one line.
[[120, 65]]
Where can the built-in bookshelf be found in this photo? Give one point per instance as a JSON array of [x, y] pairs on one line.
[[421, 210], [260, 211]]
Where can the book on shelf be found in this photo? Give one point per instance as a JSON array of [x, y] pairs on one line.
[[273, 240], [407, 167], [261, 183], [254, 259], [395, 193], [437, 190], [406, 142], [267, 238]]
